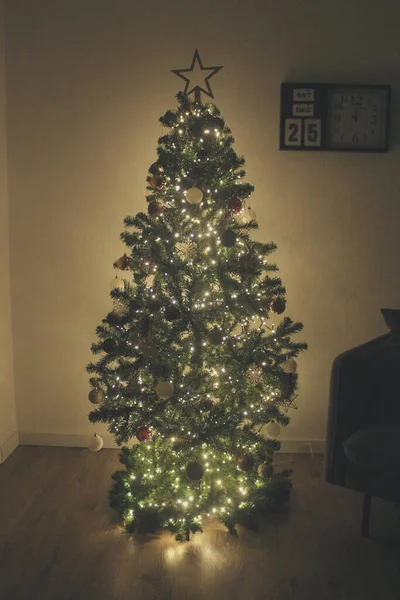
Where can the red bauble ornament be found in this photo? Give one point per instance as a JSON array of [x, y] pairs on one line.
[[278, 305], [122, 263], [143, 433], [236, 205], [246, 462], [154, 208], [157, 181]]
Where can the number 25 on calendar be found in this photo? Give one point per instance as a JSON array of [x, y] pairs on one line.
[[294, 132]]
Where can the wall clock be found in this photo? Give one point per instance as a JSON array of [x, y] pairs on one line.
[[335, 117]]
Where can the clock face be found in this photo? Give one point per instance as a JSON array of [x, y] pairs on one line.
[[357, 118]]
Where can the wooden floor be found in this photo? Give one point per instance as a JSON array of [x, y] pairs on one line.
[[58, 541]]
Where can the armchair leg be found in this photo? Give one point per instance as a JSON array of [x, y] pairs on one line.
[[365, 515]]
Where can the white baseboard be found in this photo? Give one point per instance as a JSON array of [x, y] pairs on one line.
[[9, 446], [26, 438], [70, 440]]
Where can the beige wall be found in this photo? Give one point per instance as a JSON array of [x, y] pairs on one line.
[[87, 82], [8, 425]]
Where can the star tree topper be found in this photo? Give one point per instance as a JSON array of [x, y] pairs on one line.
[[196, 77]]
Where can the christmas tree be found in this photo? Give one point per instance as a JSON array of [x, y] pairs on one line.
[[191, 364]]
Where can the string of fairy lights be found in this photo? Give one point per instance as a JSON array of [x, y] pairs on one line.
[[198, 447]]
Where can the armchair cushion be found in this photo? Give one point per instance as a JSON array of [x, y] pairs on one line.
[[376, 447]]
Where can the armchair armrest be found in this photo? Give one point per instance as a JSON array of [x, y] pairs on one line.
[[354, 390]]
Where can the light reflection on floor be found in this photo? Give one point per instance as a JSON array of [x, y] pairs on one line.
[[199, 549]]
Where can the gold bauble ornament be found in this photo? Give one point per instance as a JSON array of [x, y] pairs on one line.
[[96, 396], [164, 390]]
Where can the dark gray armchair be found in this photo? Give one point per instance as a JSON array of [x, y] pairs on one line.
[[363, 430]]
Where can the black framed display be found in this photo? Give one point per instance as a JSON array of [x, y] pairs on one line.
[[334, 116]]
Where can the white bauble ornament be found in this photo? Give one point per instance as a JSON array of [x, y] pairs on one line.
[[290, 365], [194, 195], [251, 214], [117, 283], [164, 390], [241, 217], [95, 443], [273, 429]]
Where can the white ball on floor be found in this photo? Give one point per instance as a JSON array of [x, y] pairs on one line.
[[164, 390], [273, 429], [290, 365], [95, 443], [117, 283], [194, 195]]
